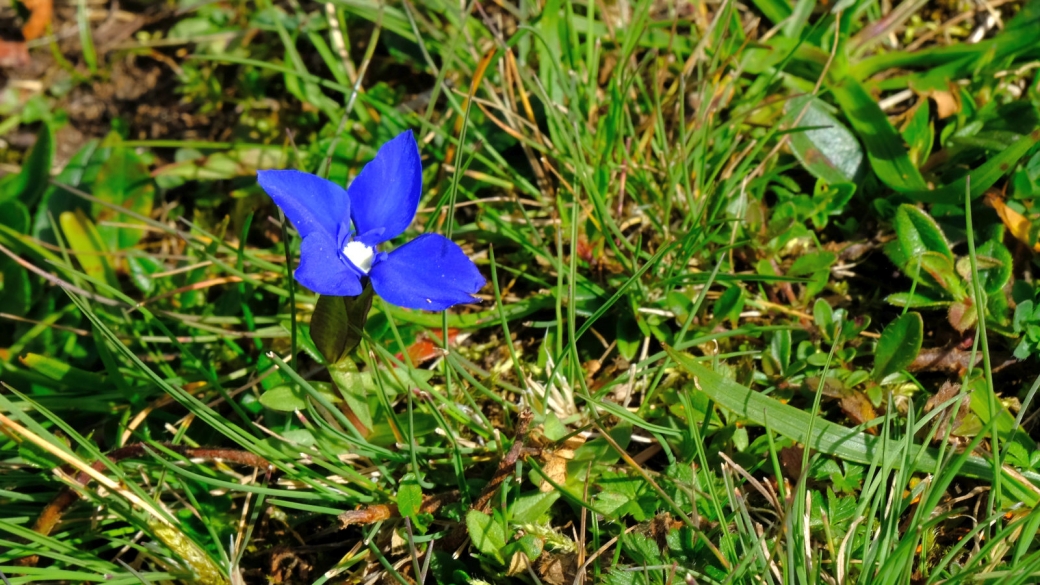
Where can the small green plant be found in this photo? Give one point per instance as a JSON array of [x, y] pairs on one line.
[[942, 279]]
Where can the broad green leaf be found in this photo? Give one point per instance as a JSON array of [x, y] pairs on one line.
[[34, 177], [939, 270], [776, 11], [823, 316], [628, 335], [57, 200], [409, 498], [15, 281], [338, 322], [283, 399], [123, 180], [918, 233], [530, 508], [825, 147], [730, 304], [15, 215], [982, 400], [982, 178], [528, 544], [899, 344], [488, 535], [833, 439], [997, 275], [90, 249], [812, 263], [885, 150], [919, 134], [16, 292], [61, 371]]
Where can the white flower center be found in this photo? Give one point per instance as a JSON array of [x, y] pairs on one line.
[[360, 255]]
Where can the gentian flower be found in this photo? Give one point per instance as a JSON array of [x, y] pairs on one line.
[[342, 229]]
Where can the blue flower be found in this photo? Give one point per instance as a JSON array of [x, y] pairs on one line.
[[342, 229]]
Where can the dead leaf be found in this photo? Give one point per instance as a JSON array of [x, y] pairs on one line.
[[41, 13], [424, 348], [858, 408], [555, 469], [853, 403], [955, 412], [518, 564], [557, 569], [947, 103], [954, 360], [1016, 223], [13, 54], [791, 461]]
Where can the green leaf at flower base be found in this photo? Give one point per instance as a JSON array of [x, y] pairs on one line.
[[899, 344], [487, 534], [338, 322], [351, 386]]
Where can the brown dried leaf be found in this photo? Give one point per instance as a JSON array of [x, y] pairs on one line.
[[947, 103], [13, 54], [957, 411], [518, 564], [791, 461], [555, 468], [858, 408], [557, 569]]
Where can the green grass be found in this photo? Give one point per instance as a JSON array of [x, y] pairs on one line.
[[716, 237]]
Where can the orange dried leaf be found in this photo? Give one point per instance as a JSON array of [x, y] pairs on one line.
[[1016, 223], [41, 13]]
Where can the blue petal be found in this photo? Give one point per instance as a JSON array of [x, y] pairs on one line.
[[386, 193], [310, 202], [321, 269], [430, 272]]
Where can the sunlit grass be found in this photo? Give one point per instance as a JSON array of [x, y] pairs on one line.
[[671, 375]]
